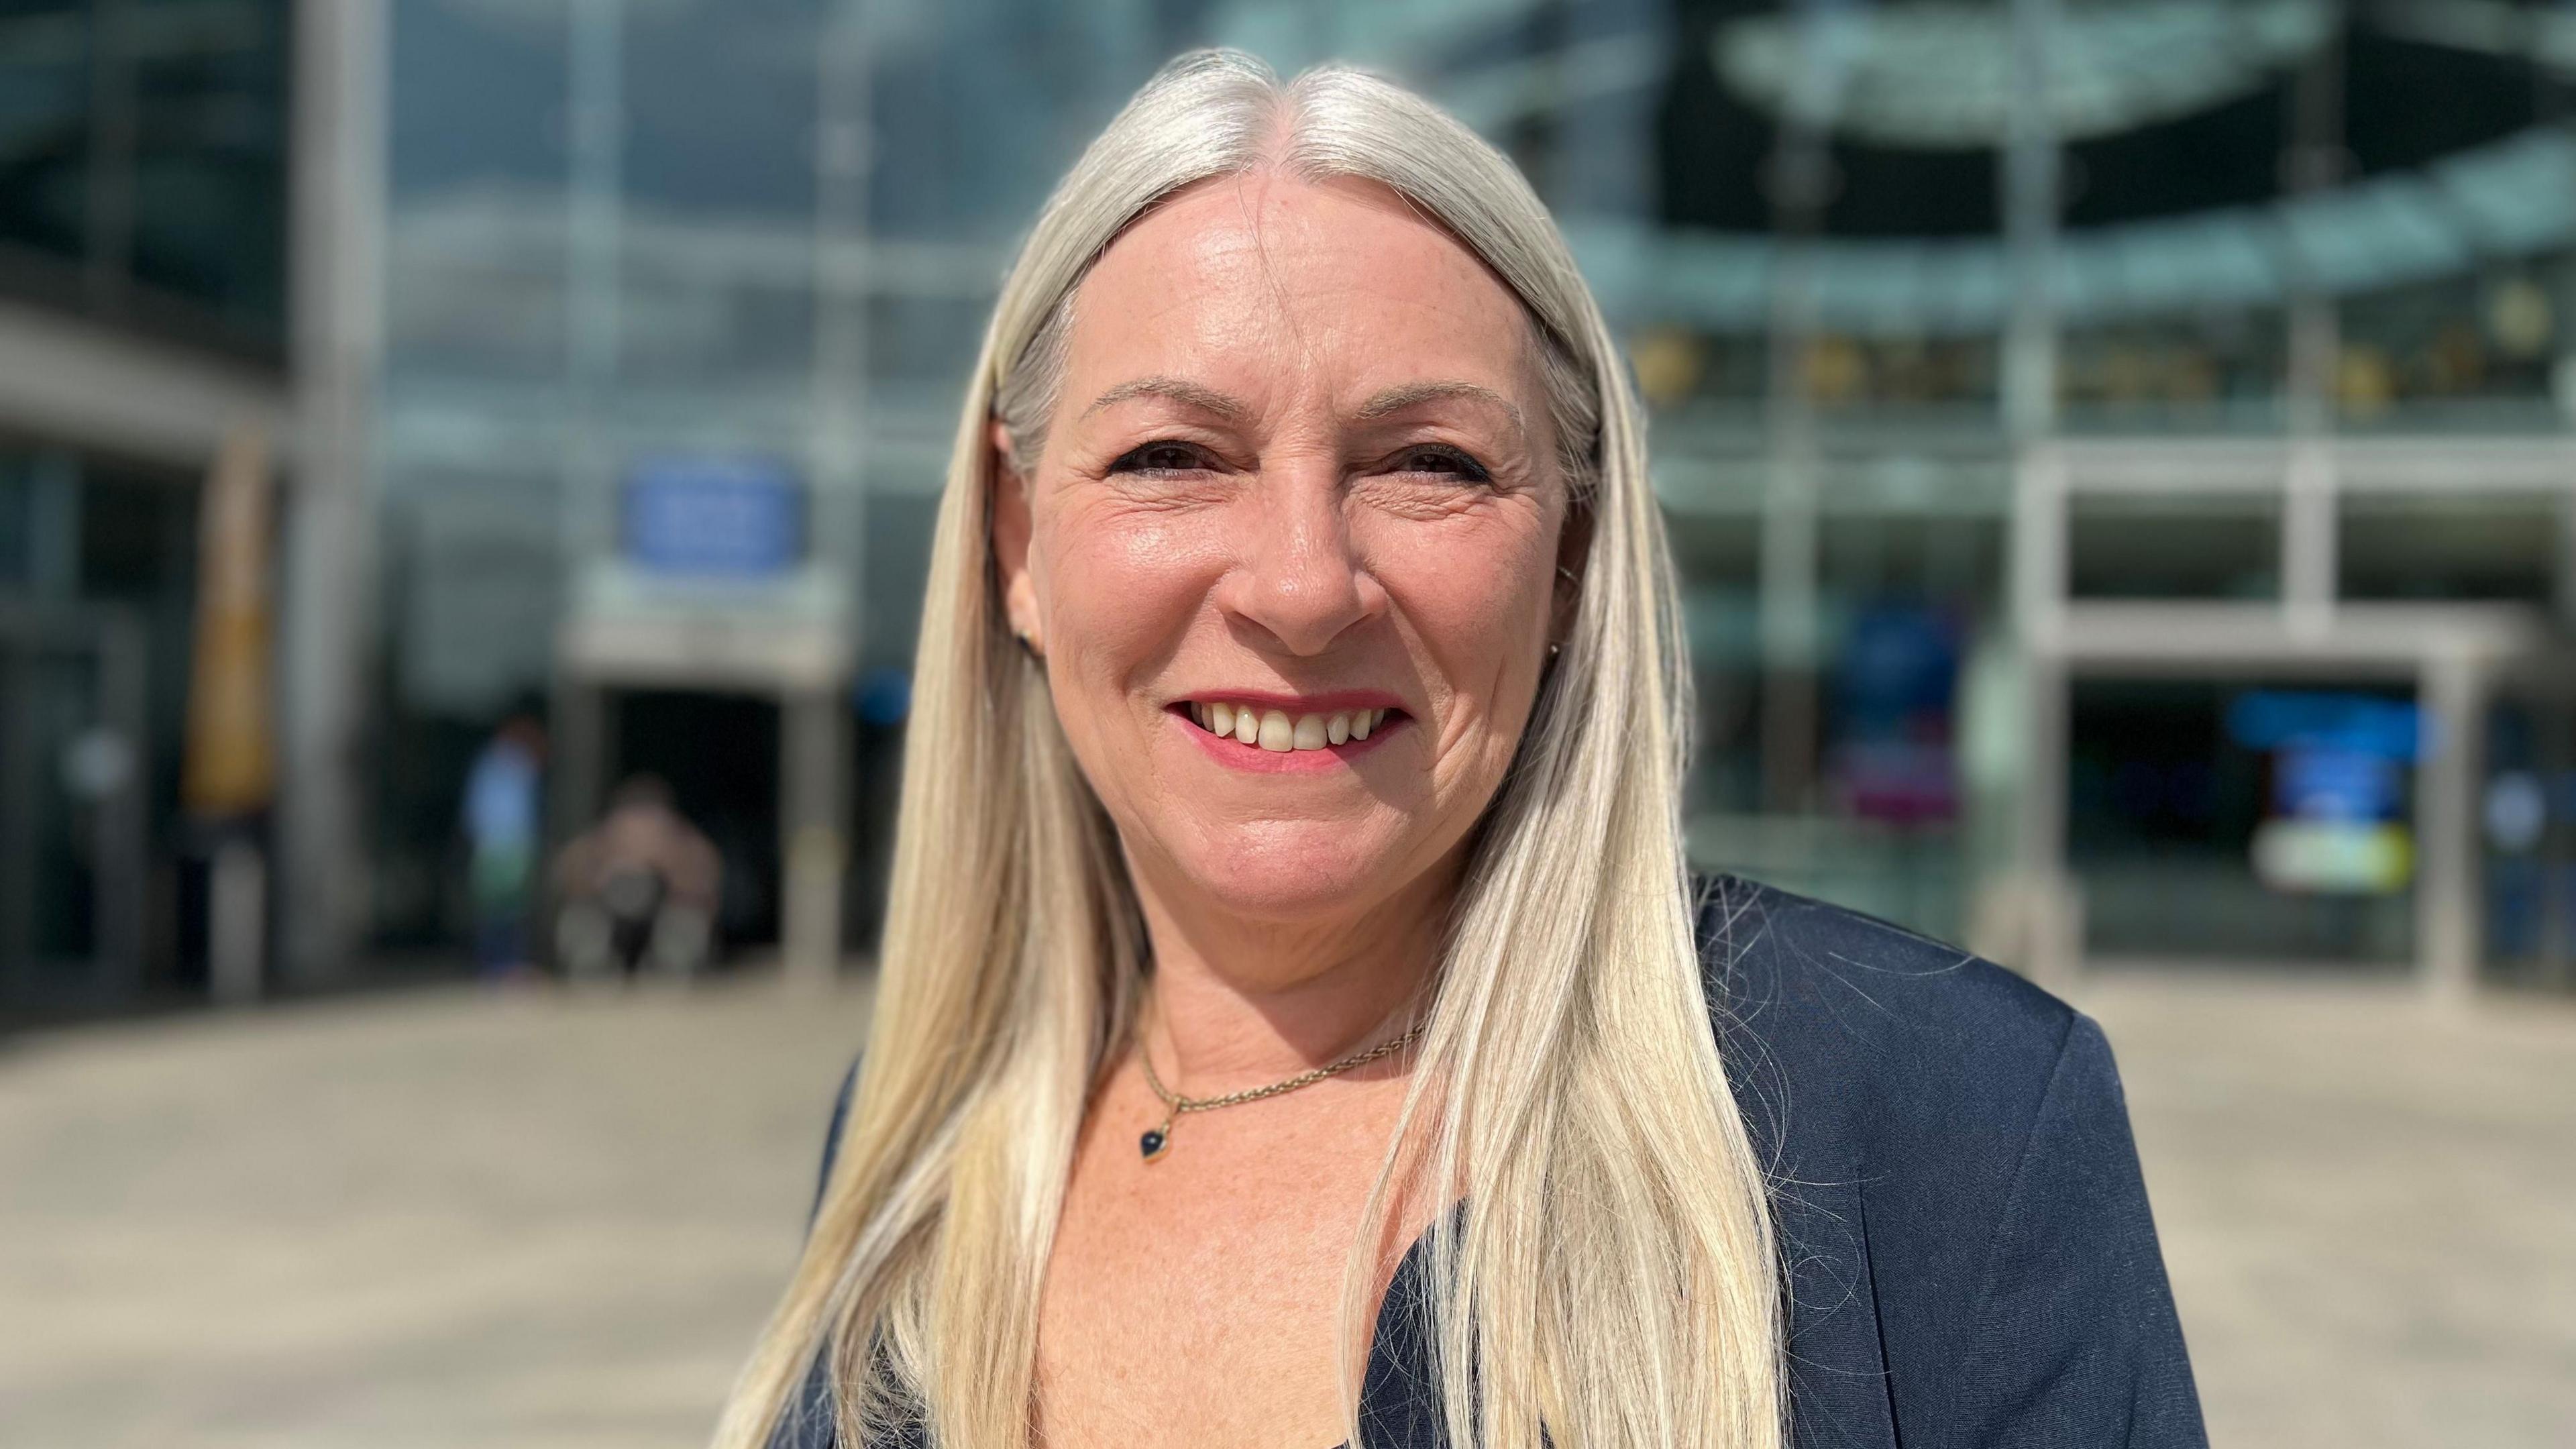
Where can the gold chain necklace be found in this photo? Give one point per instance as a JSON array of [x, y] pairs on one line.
[[1157, 1140]]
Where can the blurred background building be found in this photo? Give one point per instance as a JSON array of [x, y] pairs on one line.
[[2121, 452]]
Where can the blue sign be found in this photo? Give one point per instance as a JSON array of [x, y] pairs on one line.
[[2331, 782], [2266, 719], [714, 517]]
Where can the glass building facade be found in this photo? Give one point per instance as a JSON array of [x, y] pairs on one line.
[[143, 165], [2032, 382], [144, 220], [2047, 394]]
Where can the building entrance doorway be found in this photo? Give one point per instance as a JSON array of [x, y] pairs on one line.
[[2246, 820], [72, 864], [719, 755]]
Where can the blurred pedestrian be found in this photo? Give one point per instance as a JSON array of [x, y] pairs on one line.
[[639, 889], [501, 819]]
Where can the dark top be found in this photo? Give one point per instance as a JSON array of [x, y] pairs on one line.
[[1971, 1263]]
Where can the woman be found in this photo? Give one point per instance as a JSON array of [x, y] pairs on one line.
[[1296, 1024]]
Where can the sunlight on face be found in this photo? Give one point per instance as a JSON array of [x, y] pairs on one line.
[[1300, 467]]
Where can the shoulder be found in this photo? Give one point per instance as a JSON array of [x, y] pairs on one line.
[[1859, 1049], [1809, 976], [1948, 1148]]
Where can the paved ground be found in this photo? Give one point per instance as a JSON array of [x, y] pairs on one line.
[[552, 1222], [2368, 1208], [458, 1219]]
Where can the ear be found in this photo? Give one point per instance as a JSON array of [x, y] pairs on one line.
[[1573, 556], [1010, 515]]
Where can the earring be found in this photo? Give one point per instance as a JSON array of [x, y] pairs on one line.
[[1551, 648]]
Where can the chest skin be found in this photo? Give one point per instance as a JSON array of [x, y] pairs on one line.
[[1195, 1299]]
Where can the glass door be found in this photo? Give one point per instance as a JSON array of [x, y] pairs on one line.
[[71, 805]]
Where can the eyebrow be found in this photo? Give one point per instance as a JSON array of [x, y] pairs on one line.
[[1413, 394], [1386, 404], [1179, 390]]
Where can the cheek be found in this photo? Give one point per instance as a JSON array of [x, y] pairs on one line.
[[1476, 599], [1116, 591]]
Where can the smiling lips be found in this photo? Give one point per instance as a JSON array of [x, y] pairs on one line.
[[1278, 731]]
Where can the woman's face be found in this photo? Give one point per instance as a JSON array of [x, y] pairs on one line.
[[1291, 549]]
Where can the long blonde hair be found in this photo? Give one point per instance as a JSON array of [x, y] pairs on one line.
[[1611, 1271]]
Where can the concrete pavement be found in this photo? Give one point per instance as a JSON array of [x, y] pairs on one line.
[[2368, 1206], [534, 1221], [553, 1221]]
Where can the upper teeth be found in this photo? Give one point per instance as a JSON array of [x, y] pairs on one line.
[[1273, 729]]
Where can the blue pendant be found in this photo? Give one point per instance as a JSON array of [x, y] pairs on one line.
[[1153, 1143]]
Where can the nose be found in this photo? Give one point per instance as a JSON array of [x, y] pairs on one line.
[[1296, 575]]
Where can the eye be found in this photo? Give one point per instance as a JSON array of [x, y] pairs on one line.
[[1162, 456], [1441, 460]]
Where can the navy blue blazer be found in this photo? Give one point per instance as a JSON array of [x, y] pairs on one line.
[[1969, 1256]]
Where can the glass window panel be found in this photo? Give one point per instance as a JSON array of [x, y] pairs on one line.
[[925, 343], [1716, 551], [56, 704], [476, 584], [2448, 548], [2219, 369], [208, 183], [17, 520], [722, 326], [45, 136], [1951, 562], [475, 290], [719, 107], [2474, 349], [2158, 548], [477, 100]]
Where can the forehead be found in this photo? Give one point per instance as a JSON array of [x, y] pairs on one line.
[[1267, 279]]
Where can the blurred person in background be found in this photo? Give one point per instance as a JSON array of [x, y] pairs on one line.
[[501, 818], [638, 890], [1296, 1022]]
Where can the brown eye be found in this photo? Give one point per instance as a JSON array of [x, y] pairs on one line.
[[1159, 457], [1441, 460]]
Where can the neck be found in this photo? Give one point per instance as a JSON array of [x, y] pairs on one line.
[[1240, 1002]]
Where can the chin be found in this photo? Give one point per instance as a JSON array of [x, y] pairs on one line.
[[1292, 870]]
